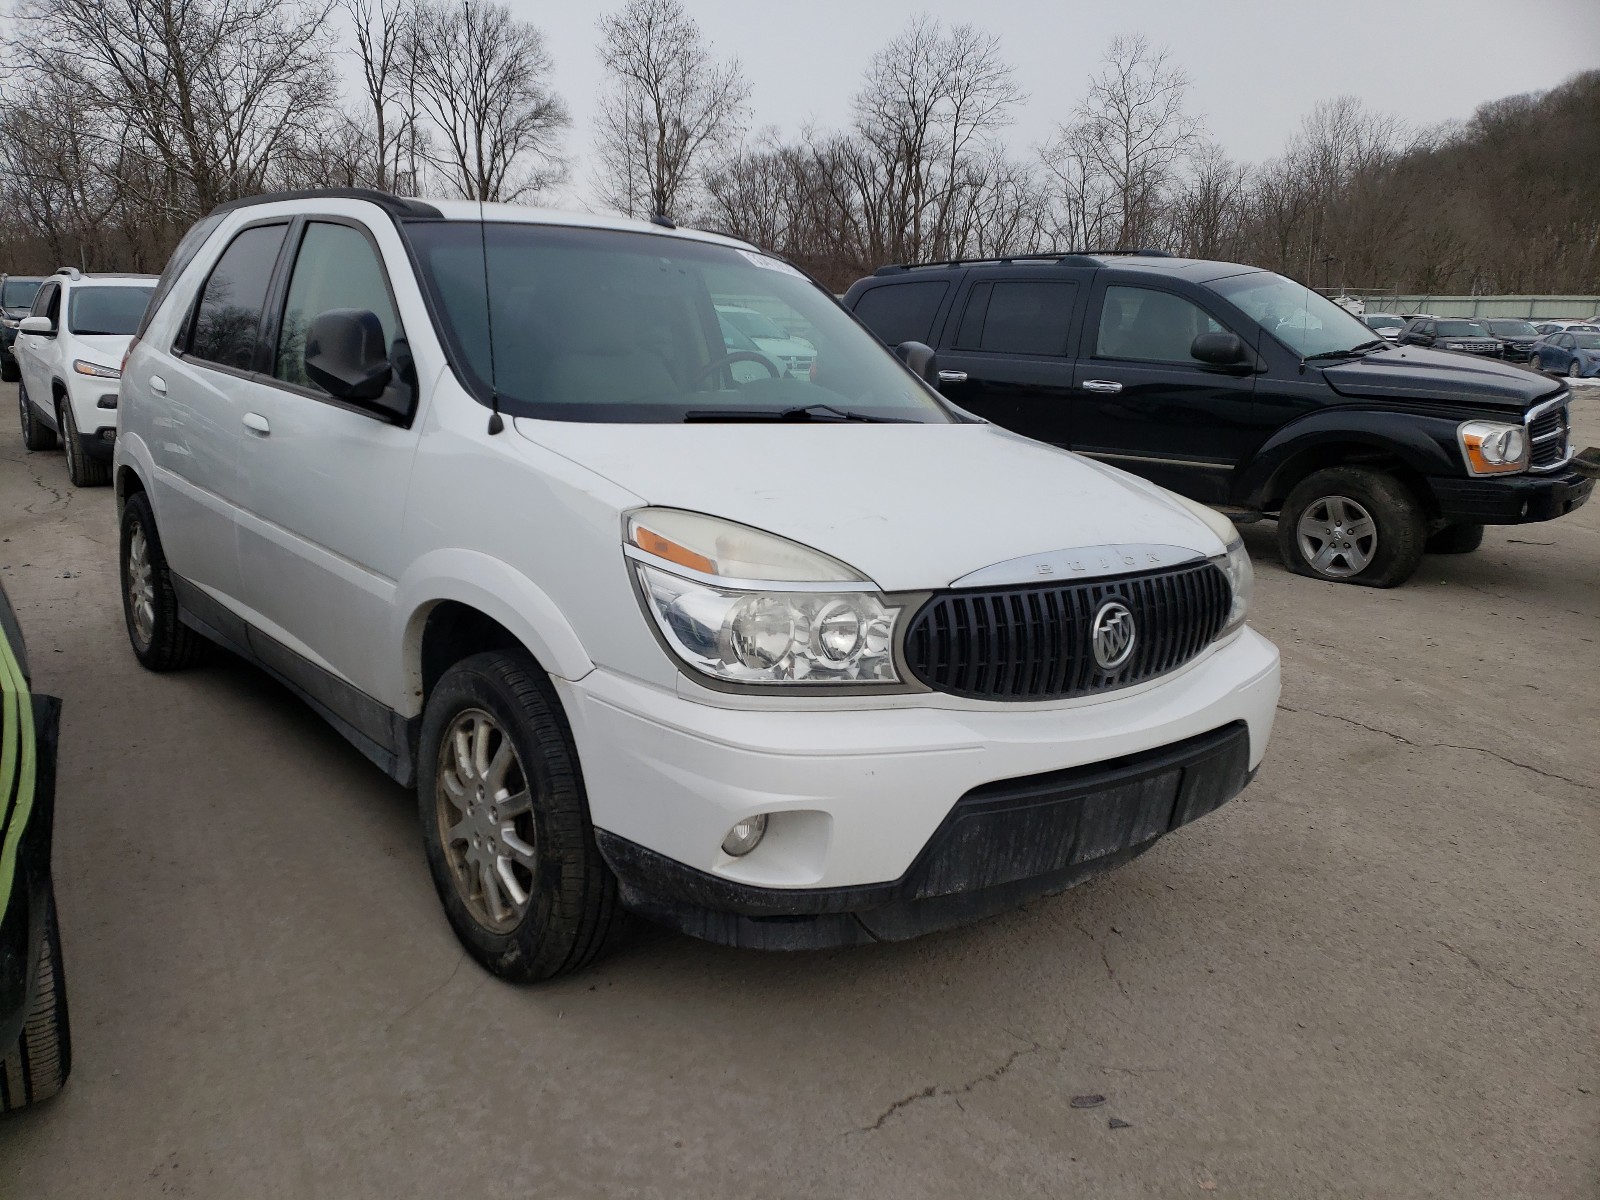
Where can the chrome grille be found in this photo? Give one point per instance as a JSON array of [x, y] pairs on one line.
[[1548, 435], [1035, 642]]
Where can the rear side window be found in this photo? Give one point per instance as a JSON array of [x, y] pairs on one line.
[[228, 318], [1018, 317], [1150, 326], [187, 248], [336, 268], [902, 312]]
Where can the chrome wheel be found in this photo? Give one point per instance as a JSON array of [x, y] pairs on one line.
[[485, 811], [1337, 537], [141, 586]]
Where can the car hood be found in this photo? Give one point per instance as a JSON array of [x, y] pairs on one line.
[[789, 346], [1416, 373], [106, 348], [911, 506]]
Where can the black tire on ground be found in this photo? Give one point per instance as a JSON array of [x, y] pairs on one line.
[[81, 469], [1455, 539], [38, 1065], [10, 372], [170, 645], [34, 435], [1574, 371], [1401, 528], [573, 914]]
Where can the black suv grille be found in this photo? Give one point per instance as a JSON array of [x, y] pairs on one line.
[[1548, 438], [1035, 643]]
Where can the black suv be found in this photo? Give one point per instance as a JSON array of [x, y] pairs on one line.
[[1516, 337], [1451, 333], [1244, 390], [16, 299]]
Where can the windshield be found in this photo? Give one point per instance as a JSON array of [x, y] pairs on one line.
[[1383, 321], [107, 310], [19, 293], [599, 325], [1461, 329], [1512, 328], [1586, 341], [1303, 320]]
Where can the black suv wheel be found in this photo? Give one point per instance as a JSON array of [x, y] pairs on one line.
[[1352, 525]]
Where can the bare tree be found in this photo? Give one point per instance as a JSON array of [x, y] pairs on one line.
[[483, 78], [382, 32], [669, 105], [1131, 136]]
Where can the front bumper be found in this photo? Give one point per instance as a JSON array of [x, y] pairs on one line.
[[867, 806], [1511, 499]]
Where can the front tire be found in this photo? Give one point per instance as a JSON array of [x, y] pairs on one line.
[[81, 469], [1574, 371], [1352, 525], [38, 1065], [34, 435], [1455, 539], [10, 372], [505, 822], [160, 640]]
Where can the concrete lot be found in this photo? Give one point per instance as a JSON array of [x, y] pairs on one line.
[[1377, 974]]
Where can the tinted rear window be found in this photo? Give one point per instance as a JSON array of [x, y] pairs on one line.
[[1018, 317], [181, 258], [106, 310], [229, 316], [902, 312]]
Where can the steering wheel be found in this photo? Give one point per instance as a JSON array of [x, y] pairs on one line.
[[732, 357]]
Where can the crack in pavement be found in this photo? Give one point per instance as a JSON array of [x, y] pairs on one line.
[[1110, 972], [431, 994], [933, 1090], [1508, 981], [57, 498], [1405, 741]]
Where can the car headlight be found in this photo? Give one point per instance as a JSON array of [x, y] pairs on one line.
[[1235, 564], [1491, 448], [84, 367], [748, 607]]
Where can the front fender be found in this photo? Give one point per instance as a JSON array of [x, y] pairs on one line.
[[1423, 443], [498, 591]]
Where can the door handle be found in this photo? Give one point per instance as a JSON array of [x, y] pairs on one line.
[[1101, 385], [952, 376], [158, 385], [256, 423]]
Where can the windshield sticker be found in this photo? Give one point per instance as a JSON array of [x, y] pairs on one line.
[[772, 264]]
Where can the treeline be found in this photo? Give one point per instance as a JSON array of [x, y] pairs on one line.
[[122, 121]]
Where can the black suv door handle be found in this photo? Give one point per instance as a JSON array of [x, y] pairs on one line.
[[1101, 385], [952, 376]]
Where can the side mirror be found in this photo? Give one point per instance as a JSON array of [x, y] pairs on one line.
[[1219, 350], [42, 325], [921, 359], [346, 356]]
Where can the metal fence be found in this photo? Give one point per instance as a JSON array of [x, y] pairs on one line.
[[1533, 307]]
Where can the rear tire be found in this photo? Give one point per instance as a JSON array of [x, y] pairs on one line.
[[1455, 539], [10, 372], [81, 469], [160, 640], [1352, 525], [38, 1065], [505, 823], [34, 435], [1574, 371]]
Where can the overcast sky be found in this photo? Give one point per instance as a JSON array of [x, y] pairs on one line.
[[1256, 66]]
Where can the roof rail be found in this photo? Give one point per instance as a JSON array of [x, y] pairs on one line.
[[69, 272], [1064, 258], [396, 206]]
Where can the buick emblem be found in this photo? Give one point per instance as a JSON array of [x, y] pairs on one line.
[[1113, 635]]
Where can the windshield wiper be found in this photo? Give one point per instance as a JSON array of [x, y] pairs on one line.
[[1375, 344], [804, 412]]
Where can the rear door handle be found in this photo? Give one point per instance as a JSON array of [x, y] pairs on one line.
[[952, 376], [158, 385], [256, 423], [1101, 385]]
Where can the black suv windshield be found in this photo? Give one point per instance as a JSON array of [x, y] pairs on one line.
[[19, 293], [106, 310], [1461, 329], [1305, 321], [1512, 328], [609, 326]]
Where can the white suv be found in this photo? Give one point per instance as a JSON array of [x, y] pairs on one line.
[[69, 350], [779, 662]]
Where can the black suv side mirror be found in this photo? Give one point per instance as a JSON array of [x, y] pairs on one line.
[[921, 358], [345, 354], [1219, 350]]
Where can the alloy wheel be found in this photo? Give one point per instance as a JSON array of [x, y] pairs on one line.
[[484, 806], [1337, 537], [141, 586], [1574, 370]]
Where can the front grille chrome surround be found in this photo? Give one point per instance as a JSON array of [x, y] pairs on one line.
[[1036, 642], [1550, 435]]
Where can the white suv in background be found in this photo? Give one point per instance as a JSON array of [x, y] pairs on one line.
[[780, 662], [69, 350]]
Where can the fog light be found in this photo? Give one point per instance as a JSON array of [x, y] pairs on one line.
[[745, 836], [108, 435], [107, 401]]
